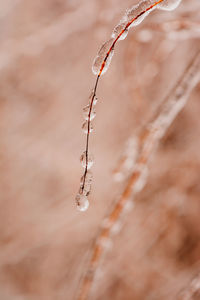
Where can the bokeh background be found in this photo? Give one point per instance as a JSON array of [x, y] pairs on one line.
[[46, 54]]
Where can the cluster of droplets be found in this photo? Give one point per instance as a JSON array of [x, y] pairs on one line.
[[86, 158], [133, 17]]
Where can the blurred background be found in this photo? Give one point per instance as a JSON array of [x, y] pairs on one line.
[[46, 54]]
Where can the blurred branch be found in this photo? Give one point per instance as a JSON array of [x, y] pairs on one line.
[[192, 291], [148, 141]]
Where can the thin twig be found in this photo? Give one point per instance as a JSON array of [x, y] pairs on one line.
[[96, 86]]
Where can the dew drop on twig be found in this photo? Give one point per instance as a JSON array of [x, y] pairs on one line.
[[82, 202], [89, 160]]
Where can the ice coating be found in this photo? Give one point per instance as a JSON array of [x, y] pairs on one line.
[[87, 181], [133, 17], [85, 127], [86, 160], [103, 58], [118, 29], [169, 4], [86, 111], [82, 202]]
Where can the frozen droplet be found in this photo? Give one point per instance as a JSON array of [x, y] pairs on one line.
[[106, 242], [128, 206], [100, 64], [116, 227], [106, 47], [86, 160], [88, 177], [103, 58], [82, 202], [168, 4], [85, 127], [139, 12], [120, 30], [86, 181], [141, 181], [95, 100], [88, 112]]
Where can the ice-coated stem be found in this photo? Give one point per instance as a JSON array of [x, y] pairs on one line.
[[134, 16]]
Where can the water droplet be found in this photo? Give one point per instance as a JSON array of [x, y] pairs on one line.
[[88, 161], [168, 4], [85, 127], [86, 111], [82, 202], [101, 56], [118, 29]]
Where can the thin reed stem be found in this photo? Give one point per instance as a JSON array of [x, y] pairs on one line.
[[97, 81]]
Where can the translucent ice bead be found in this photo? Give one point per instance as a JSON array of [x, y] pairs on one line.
[[89, 161], [135, 13], [101, 56], [95, 99], [168, 4], [82, 202], [86, 111], [85, 127]]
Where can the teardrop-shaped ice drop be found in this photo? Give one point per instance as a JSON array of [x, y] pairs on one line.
[[82, 202], [168, 4], [89, 114], [106, 47], [85, 127], [86, 160], [103, 58], [139, 12]]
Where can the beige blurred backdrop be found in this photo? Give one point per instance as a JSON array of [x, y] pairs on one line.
[[46, 53]]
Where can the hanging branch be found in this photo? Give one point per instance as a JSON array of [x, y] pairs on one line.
[[148, 141], [133, 17]]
